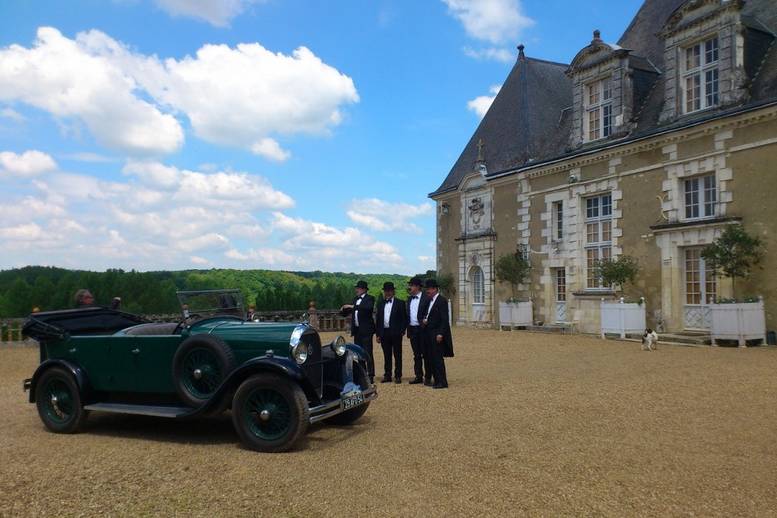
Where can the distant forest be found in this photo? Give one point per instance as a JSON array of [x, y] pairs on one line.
[[50, 288]]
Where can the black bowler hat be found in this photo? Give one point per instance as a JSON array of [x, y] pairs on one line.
[[388, 286], [361, 284], [432, 283], [416, 281]]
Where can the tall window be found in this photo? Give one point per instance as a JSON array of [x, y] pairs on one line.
[[558, 220], [701, 77], [700, 283], [598, 106], [478, 285], [598, 230], [701, 196]]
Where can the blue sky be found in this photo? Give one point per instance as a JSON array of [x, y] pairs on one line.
[[172, 134]]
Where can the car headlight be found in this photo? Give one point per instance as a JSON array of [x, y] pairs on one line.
[[338, 346], [300, 352], [299, 349]]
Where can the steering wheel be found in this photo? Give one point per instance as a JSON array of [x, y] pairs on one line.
[[185, 321]]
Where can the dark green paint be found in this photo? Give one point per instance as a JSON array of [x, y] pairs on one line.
[[143, 363]]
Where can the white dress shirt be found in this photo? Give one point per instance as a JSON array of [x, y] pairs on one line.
[[387, 312], [429, 309], [415, 301], [356, 313]]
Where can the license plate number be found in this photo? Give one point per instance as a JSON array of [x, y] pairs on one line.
[[352, 401]]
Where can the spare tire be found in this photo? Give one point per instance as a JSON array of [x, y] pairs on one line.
[[200, 365]]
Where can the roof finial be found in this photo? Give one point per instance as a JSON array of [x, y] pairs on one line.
[[520, 51], [597, 34], [480, 150]]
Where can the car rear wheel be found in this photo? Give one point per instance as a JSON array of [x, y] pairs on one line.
[[200, 364], [270, 413], [350, 416], [59, 401]]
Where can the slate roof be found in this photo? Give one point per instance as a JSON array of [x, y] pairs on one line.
[[529, 121]]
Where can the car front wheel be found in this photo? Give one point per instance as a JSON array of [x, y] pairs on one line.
[[270, 413], [59, 401]]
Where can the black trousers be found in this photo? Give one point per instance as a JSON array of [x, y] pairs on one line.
[[416, 336], [392, 347], [365, 342], [435, 353]]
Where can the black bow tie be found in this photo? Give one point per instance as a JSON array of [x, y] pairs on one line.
[[389, 301], [416, 296]]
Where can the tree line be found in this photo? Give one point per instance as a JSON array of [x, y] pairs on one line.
[[49, 288]]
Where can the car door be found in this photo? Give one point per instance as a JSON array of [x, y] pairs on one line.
[[107, 360], [153, 362]]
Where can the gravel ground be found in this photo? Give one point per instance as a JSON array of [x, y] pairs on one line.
[[532, 424]]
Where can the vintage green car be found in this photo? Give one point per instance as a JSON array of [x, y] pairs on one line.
[[276, 377]]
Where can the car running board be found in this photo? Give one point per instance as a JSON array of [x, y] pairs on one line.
[[157, 411]]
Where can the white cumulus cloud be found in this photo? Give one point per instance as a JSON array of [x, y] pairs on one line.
[[495, 21], [480, 105], [490, 53], [215, 12], [27, 164], [384, 216], [67, 79], [244, 96]]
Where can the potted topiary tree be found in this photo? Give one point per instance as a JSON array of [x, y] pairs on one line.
[[621, 317], [734, 254], [514, 269]]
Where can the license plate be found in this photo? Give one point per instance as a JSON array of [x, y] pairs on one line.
[[352, 400]]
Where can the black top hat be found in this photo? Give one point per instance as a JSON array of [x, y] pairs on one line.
[[388, 286], [416, 281], [361, 284], [432, 283]]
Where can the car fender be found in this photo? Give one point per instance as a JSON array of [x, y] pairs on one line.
[[79, 374], [357, 350], [284, 367]]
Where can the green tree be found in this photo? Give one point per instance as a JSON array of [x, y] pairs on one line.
[[734, 254], [513, 269], [618, 272]]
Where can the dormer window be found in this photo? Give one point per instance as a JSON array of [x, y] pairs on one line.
[[701, 77], [598, 108]]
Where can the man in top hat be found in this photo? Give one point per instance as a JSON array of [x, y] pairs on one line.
[[362, 322], [416, 310], [437, 333], [390, 323]]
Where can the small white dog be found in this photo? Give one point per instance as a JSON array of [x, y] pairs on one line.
[[649, 340]]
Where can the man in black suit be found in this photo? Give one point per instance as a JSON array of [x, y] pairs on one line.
[[416, 310], [362, 322], [437, 333], [390, 323]]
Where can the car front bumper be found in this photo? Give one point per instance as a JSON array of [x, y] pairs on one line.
[[332, 408]]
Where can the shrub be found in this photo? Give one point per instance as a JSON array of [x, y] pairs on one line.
[[618, 272], [513, 269], [734, 254]]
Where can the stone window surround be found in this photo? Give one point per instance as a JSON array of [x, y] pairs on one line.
[[731, 76], [673, 199]]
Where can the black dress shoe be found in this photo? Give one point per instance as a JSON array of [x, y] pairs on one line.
[[397, 380], [372, 380], [385, 380], [439, 386], [415, 381], [427, 383]]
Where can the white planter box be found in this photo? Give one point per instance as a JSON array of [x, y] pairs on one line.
[[622, 318], [740, 322], [515, 314]]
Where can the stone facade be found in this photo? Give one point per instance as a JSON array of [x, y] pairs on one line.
[[644, 180]]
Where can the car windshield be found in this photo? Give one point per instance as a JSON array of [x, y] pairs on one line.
[[206, 303]]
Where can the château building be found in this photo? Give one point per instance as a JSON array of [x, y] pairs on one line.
[[647, 147]]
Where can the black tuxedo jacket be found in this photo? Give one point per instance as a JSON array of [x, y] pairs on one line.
[[422, 305], [397, 320], [439, 324], [366, 322]]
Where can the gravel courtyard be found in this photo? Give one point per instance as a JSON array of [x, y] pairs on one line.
[[532, 424]]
